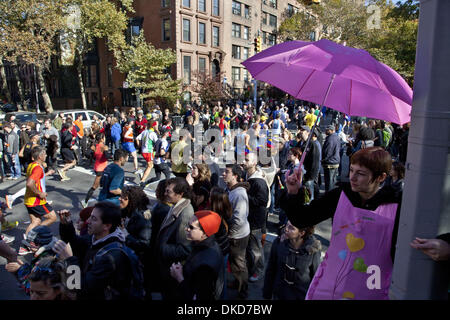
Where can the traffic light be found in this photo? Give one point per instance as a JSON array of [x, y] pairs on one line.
[[258, 44]]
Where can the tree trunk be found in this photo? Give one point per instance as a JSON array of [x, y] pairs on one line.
[[80, 82], [47, 102], [4, 84], [21, 104]]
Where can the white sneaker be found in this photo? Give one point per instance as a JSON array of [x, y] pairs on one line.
[[83, 204], [7, 239]]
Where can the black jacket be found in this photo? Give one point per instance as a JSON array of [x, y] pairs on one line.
[[286, 283], [331, 150], [258, 197], [139, 234], [105, 278], [203, 272], [318, 210], [312, 161]]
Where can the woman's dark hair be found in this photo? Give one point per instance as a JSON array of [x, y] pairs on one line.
[[309, 231], [110, 214], [99, 136], [296, 152], [366, 133], [399, 168], [220, 203], [137, 199], [202, 188], [53, 273], [161, 189], [181, 186], [376, 159]]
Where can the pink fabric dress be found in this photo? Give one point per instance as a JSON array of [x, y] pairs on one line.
[[360, 238]]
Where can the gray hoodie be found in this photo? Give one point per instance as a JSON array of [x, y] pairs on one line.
[[239, 226]]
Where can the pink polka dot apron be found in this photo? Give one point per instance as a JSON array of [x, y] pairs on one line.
[[360, 242]]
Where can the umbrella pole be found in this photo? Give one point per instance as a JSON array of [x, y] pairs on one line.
[[308, 141]]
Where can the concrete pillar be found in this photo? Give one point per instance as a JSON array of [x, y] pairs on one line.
[[425, 207]]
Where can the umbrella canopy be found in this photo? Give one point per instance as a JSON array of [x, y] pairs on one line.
[[343, 78]]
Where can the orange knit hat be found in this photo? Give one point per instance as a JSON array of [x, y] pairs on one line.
[[209, 220]]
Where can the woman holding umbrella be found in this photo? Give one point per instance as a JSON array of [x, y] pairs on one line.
[[365, 224]]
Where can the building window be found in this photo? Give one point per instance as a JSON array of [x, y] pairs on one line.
[[272, 39], [264, 17], [134, 28], [247, 12], [312, 36], [273, 21], [246, 33], [187, 3], [202, 65], [201, 33], [202, 5], [166, 29], [110, 74], [236, 6], [235, 73], [245, 75], [235, 52], [264, 37], [236, 30], [165, 3], [187, 69], [245, 53], [215, 33], [186, 30], [216, 8]]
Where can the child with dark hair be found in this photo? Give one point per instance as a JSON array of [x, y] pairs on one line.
[[396, 177], [47, 281], [294, 259]]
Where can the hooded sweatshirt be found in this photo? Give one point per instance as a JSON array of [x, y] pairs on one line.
[[239, 227], [258, 198]]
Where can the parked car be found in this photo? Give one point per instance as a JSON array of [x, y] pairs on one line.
[[87, 115], [8, 107], [22, 116]]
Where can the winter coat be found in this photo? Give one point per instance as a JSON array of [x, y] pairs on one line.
[[331, 150], [172, 244], [107, 277], [258, 197], [203, 272], [116, 132], [239, 227], [301, 215], [139, 233], [283, 282]]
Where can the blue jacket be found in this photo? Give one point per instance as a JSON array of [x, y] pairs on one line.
[[330, 150], [116, 131]]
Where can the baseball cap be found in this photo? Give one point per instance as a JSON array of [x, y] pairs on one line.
[[306, 128], [40, 236], [330, 127]]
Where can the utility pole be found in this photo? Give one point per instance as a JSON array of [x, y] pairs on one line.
[[425, 209]]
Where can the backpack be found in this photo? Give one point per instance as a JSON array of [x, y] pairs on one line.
[[136, 290], [386, 138], [157, 148]]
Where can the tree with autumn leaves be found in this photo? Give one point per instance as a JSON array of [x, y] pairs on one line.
[[387, 31], [32, 31]]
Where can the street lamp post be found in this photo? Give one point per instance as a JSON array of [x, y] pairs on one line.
[[36, 89]]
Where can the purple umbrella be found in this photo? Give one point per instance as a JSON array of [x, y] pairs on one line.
[[343, 78]]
